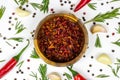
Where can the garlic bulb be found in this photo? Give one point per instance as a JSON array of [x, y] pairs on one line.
[[54, 76], [98, 28], [22, 13]]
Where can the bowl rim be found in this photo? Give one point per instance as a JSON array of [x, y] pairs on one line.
[[73, 17]]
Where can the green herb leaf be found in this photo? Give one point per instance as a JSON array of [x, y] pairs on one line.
[[21, 2], [2, 60], [43, 70], [34, 54], [18, 39], [19, 27], [42, 7], [69, 77], [118, 30], [114, 0], [34, 75], [2, 10], [117, 42], [98, 42], [108, 15], [115, 72], [118, 60], [9, 44], [102, 76], [92, 6], [19, 65]]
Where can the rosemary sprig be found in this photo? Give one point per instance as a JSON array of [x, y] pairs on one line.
[[98, 42], [92, 6], [34, 75], [21, 2], [108, 15], [18, 39], [102, 76], [42, 7], [2, 60], [2, 10], [19, 27], [19, 65], [117, 42], [43, 70], [118, 30], [114, 0], [34, 54], [69, 77]]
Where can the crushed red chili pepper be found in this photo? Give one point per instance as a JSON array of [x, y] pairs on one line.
[[60, 39]]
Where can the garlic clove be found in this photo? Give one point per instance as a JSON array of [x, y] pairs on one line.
[[98, 28], [54, 76], [22, 13], [104, 58]]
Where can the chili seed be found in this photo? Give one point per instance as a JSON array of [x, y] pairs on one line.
[[84, 13], [113, 34], [13, 13], [28, 60], [60, 0]]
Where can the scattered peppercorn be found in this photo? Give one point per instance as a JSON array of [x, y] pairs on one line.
[[101, 70], [92, 57], [107, 36], [112, 7], [102, 3]]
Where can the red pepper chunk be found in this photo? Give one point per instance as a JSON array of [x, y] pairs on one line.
[[79, 77], [81, 4], [12, 62], [76, 75], [7, 67]]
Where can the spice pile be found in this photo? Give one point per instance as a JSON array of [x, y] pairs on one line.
[[60, 39]]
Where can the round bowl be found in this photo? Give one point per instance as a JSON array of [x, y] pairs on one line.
[[61, 39]]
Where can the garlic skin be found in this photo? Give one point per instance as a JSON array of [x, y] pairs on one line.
[[98, 28], [22, 13], [54, 76], [104, 58]]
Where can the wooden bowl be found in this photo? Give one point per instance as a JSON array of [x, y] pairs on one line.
[[58, 56]]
